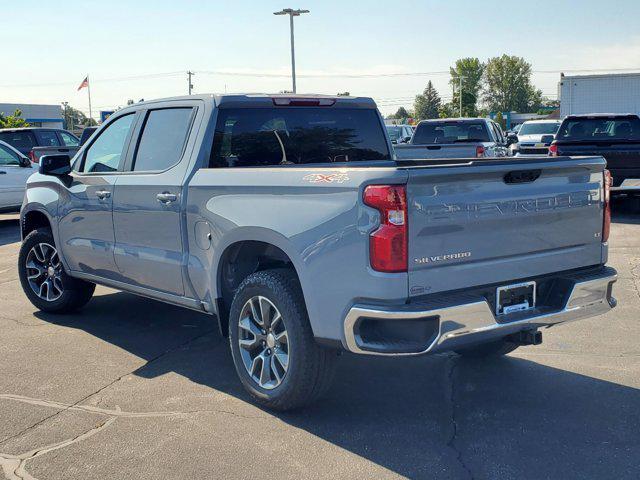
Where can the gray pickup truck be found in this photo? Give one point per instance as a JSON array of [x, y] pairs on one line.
[[455, 138], [288, 219]]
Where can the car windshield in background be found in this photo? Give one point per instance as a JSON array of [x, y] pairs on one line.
[[247, 137], [603, 129], [394, 132], [539, 129], [450, 132]]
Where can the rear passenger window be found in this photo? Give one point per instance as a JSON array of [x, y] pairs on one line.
[[21, 139], [163, 138], [48, 139]]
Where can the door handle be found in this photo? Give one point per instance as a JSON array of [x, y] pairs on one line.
[[166, 197], [102, 194], [2, 172]]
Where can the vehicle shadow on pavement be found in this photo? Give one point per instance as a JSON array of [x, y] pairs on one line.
[[9, 230], [437, 416]]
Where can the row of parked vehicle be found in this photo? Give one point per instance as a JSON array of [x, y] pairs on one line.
[[22, 148], [616, 137]]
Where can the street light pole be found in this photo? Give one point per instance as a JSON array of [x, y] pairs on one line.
[[292, 13]]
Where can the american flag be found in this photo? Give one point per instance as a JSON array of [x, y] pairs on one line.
[[85, 83]]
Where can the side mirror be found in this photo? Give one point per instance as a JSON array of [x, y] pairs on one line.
[[512, 138], [394, 142], [406, 139], [55, 165], [547, 139]]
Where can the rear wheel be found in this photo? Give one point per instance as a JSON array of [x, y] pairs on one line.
[[43, 279], [274, 351], [492, 349]]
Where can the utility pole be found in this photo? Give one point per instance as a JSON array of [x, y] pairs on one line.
[[189, 74], [66, 118], [292, 13], [460, 77]]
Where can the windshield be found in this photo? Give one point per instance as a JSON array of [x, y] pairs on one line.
[[450, 132], [539, 129], [247, 137], [619, 128], [394, 132]]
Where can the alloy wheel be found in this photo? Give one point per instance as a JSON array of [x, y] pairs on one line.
[[263, 342], [44, 272]]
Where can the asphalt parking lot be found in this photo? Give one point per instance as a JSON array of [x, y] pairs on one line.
[[134, 389]]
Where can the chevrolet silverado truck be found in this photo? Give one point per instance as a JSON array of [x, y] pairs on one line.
[[288, 219], [455, 138], [616, 137]]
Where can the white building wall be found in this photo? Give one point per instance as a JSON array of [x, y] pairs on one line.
[[40, 115], [614, 93]]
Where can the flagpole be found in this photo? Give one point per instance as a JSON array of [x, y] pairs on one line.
[[89, 92]]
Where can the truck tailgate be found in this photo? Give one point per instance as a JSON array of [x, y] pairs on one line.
[[449, 150], [488, 222]]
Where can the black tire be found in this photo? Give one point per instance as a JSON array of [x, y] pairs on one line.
[[492, 349], [311, 368], [75, 293]]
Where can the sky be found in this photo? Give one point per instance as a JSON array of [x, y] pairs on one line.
[[386, 50]]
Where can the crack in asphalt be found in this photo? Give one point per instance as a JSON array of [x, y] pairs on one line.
[[14, 466], [86, 397], [451, 442]]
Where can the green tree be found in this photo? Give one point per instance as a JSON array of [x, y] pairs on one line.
[[13, 120], [471, 71], [448, 110], [499, 119], [427, 104], [401, 113], [508, 85], [76, 118]]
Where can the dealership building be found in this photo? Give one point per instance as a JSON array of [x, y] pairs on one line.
[[36, 115]]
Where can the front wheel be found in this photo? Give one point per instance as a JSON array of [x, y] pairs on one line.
[[43, 279], [274, 351]]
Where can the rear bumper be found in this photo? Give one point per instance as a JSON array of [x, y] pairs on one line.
[[472, 320], [628, 185]]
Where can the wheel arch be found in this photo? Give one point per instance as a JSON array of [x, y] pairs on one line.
[[32, 219], [243, 255]]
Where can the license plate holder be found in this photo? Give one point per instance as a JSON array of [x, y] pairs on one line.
[[517, 297]]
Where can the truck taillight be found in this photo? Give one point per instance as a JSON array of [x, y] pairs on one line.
[[553, 149], [32, 157], [479, 151], [606, 216], [388, 243]]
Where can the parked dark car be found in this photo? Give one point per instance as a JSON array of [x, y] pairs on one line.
[[31, 141], [86, 134], [616, 137]]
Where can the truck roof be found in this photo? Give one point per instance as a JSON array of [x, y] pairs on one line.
[[267, 99], [465, 119], [602, 115]]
